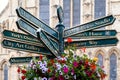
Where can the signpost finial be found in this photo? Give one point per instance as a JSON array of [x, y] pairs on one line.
[[60, 14]]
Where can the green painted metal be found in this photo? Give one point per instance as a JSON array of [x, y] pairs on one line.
[[28, 28], [25, 47], [18, 60], [22, 13], [95, 34], [60, 14], [60, 27], [54, 40], [47, 42], [89, 26], [20, 37], [94, 43]]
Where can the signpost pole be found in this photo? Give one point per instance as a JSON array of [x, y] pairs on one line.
[[60, 27]]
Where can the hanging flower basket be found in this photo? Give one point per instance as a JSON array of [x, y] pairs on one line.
[[65, 67]]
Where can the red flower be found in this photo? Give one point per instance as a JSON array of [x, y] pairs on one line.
[[86, 61], [49, 70], [18, 70], [93, 67], [88, 73], [41, 57], [61, 77], [23, 77], [24, 71], [63, 61], [102, 75], [69, 40], [83, 49], [52, 61]]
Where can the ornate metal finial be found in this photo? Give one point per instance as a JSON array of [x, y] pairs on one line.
[[60, 14]]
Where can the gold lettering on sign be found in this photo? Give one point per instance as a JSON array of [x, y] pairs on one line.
[[96, 34], [16, 35], [93, 42], [19, 45], [23, 37], [31, 47], [8, 43], [13, 60], [102, 21], [20, 60], [81, 44]]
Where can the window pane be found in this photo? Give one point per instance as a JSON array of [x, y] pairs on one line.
[[44, 11], [5, 72], [113, 67], [76, 12], [66, 10], [100, 9], [100, 60]]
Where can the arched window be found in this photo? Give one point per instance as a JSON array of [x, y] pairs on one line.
[[100, 60], [5, 72], [113, 67], [44, 10]]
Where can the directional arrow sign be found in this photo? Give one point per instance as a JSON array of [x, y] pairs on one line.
[[22, 13], [15, 60], [25, 47], [89, 26], [95, 34], [23, 25], [47, 42], [21, 37], [95, 43]]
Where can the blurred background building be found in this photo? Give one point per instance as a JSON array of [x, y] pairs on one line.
[[75, 12]]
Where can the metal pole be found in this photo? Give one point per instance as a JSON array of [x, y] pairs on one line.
[[60, 27]]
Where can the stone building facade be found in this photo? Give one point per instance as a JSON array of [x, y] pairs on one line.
[[86, 11]]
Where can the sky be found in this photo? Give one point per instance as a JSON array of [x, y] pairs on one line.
[[3, 4]]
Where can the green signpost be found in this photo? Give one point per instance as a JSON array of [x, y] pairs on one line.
[[36, 22], [42, 39], [89, 26], [21, 37], [47, 42], [25, 47], [15, 60], [95, 34], [28, 28], [94, 43]]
